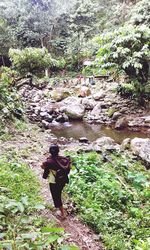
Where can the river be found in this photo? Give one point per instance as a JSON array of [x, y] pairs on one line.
[[78, 129]]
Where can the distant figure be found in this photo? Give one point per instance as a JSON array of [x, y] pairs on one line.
[[5, 61], [91, 80], [56, 169]]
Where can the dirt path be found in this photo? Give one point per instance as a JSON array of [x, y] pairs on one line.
[[31, 146]]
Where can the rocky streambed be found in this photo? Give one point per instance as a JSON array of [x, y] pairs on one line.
[[95, 104]]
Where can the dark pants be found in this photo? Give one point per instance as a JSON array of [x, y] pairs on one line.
[[56, 190]]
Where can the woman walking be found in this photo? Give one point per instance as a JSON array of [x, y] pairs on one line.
[[56, 169]]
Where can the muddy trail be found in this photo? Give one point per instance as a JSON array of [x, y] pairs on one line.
[[31, 146]]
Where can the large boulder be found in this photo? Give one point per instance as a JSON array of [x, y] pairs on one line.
[[141, 148], [75, 111], [105, 143]]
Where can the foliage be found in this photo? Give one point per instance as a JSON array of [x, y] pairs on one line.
[[19, 179], [126, 89], [10, 104], [127, 49], [31, 22], [22, 226], [31, 59], [135, 90], [140, 13], [6, 38], [111, 194]]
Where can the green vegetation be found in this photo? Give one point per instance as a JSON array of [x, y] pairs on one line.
[[31, 59], [22, 226], [34, 60], [95, 37], [10, 104], [127, 49], [111, 193], [44, 30]]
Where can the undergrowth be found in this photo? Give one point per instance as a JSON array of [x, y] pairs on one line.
[[111, 194]]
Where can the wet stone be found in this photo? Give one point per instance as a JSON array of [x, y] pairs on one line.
[[83, 140]]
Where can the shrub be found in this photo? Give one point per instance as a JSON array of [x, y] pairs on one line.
[[31, 60], [126, 89]]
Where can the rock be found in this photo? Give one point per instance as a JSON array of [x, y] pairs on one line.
[[125, 144], [86, 149], [37, 110], [71, 100], [88, 103], [84, 91], [141, 148], [121, 123], [23, 82], [104, 105], [49, 118], [37, 96], [45, 124], [98, 96], [96, 110], [147, 119], [116, 115], [46, 117], [75, 111], [83, 140], [104, 143], [62, 118], [5, 111], [124, 110], [43, 114], [111, 111], [59, 94]]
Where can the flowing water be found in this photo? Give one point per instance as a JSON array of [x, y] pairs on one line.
[[78, 129]]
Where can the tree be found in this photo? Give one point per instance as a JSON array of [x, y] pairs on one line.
[[127, 49], [30, 21], [140, 13], [6, 38]]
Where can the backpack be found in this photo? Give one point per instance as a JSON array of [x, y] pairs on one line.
[[64, 166]]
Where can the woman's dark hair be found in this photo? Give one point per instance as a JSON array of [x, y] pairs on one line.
[[54, 150]]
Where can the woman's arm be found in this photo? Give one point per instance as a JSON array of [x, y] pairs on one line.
[[46, 172]]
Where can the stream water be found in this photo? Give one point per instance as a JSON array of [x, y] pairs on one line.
[[78, 129]]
